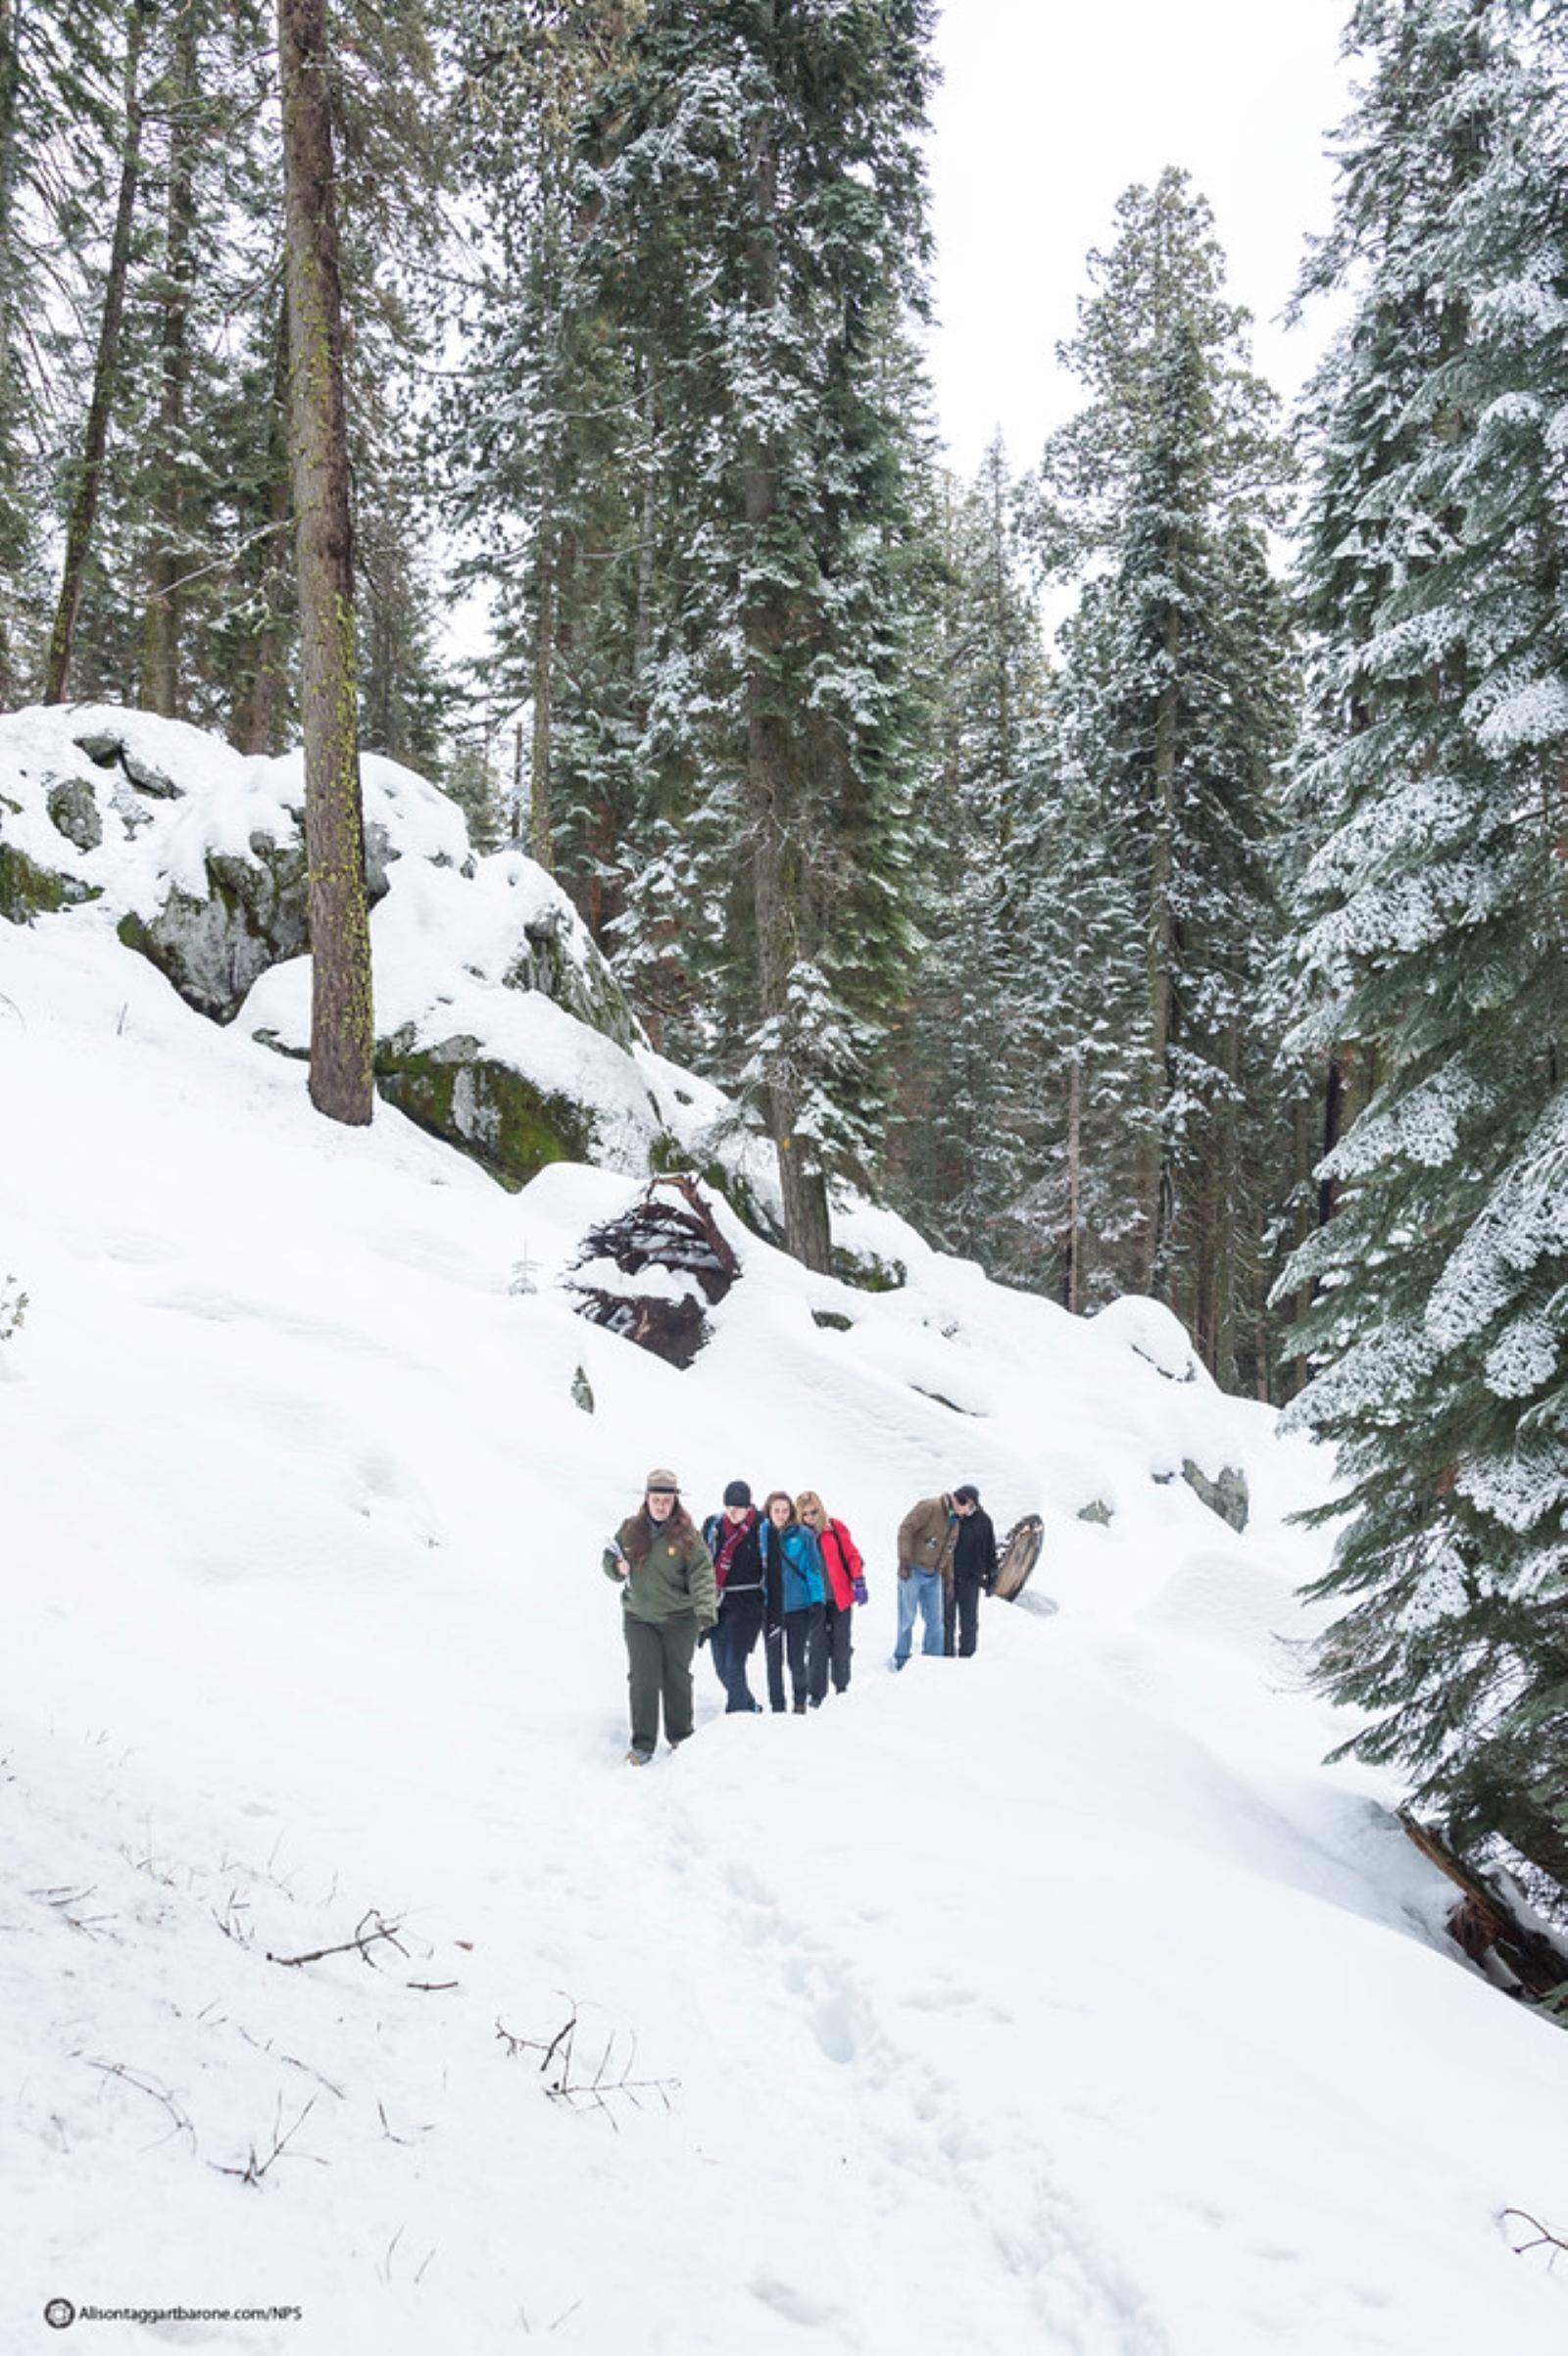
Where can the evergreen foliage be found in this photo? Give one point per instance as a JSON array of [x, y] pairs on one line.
[[1172, 717], [753, 232], [59, 86], [1434, 912], [961, 1152]]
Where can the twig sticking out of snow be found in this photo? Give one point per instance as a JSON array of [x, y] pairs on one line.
[[63, 1897], [254, 2168], [364, 1939], [1541, 2237], [180, 2125], [595, 2093]]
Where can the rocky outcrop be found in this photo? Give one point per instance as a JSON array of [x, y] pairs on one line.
[[28, 889], [1227, 1495], [72, 807], [110, 748], [868, 1271], [584, 986], [213, 947], [496, 1116]]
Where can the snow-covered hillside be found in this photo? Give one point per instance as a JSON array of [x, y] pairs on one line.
[[1054, 2000]]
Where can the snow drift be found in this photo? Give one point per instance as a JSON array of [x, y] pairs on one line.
[[1058, 1999]]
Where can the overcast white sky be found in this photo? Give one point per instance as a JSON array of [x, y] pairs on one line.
[[1047, 111]]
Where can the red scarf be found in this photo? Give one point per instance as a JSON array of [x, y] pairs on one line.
[[734, 1532]]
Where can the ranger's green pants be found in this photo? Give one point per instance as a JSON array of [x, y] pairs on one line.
[[659, 1652]]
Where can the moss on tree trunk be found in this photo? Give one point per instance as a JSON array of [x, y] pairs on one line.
[[342, 1023]]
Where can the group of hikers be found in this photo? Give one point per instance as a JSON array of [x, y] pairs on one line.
[[786, 1572]]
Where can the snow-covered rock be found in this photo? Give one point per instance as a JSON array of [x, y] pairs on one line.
[[500, 1026]]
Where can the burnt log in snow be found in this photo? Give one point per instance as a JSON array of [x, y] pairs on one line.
[[652, 1274]]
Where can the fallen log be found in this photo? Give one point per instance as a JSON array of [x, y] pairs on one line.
[[1495, 1928]]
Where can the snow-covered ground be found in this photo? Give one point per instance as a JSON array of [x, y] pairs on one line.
[[1057, 2000]]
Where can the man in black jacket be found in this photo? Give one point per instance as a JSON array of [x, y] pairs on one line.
[[974, 1566]]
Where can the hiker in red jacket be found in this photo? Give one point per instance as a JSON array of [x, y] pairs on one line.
[[846, 1581]]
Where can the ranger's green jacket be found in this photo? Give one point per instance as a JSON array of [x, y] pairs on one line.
[[677, 1577]]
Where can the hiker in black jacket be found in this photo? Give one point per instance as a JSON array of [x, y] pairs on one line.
[[734, 1542], [974, 1566]]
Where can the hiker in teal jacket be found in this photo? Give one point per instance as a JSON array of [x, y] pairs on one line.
[[665, 1575], [797, 1605]]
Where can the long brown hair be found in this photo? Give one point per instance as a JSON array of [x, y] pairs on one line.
[[771, 1500], [644, 1531]]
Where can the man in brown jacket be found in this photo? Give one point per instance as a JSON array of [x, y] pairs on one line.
[[928, 1536]]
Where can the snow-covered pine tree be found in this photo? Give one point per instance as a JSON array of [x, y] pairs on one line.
[[552, 431], [86, 468], [1086, 984], [1434, 916], [1167, 478], [756, 203], [969, 1083], [59, 80]]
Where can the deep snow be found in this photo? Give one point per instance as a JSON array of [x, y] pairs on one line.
[[1055, 2001]]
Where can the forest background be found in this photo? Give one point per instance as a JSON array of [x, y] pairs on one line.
[[1208, 944]]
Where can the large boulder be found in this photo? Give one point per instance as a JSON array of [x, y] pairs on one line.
[[231, 898], [499, 1025], [30, 889], [500, 1119], [212, 945], [199, 849]]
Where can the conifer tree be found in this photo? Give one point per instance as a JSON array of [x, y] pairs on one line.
[[88, 471], [1167, 479], [1434, 914], [61, 76], [755, 205], [551, 428], [968, 1111]]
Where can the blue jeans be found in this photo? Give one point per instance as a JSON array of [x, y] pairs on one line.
[[920, 1594]]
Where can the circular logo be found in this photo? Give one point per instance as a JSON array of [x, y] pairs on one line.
[[59, 2312]]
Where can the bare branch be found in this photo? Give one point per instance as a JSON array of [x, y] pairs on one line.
[[360, 1945]]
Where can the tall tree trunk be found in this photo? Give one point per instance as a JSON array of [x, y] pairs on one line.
[[161, 640], [1333, 1129], [1072, 1277], [13, 529], [642, 636], [342, 1024], [256, 722], [541, 836], [1221, 1213], [769, 769], [1160, 965], [10, 93], [106, 372]]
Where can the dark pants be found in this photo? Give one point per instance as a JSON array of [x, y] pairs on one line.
[[659, 1652], [839, 1646], [740, 1624], [803, 1638], [961, 1609]]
